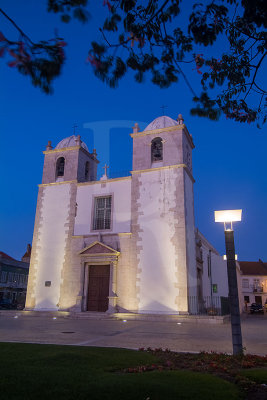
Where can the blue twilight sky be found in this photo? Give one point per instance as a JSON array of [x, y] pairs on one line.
[[229, 161]]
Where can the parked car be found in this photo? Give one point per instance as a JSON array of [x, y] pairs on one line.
[[256, 309]]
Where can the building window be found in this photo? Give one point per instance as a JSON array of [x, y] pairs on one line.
[[258, 300], [3, 276], [257, 287], [245, 283], [10, 276], [209, 264], [102, 213], [156, 149], [86, 170], [246, 299], [60, 167]]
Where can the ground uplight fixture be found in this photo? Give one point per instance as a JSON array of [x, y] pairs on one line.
[[228, 217]]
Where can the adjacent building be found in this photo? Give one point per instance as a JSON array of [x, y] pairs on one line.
[[13, 280], [253, 282]]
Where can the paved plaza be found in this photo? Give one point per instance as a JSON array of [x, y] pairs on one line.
[[185, 336]]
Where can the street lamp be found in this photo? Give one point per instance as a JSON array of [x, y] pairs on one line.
[[228, 217]]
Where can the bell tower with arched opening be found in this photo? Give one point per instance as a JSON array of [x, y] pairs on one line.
[[163, 228], [65, 167], [69, 160]]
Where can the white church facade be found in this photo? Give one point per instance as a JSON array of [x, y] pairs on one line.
[[127, 244]]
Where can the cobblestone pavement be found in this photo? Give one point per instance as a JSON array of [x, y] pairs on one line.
[[185, 336]]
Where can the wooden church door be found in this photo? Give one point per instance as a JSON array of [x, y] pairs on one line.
[[98, 288]]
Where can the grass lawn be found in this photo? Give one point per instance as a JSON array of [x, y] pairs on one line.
[[257, 375], [31, 371]]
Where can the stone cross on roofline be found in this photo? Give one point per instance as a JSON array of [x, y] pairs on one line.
[[163, 109], [105, 176], [74, 128], [105, 168]]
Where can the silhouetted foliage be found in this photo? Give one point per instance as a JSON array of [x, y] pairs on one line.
[[152, 42]]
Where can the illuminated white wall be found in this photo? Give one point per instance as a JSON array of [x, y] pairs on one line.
[[190, 236], [218, 271], [121, 205], [157, 202], [51, 246]]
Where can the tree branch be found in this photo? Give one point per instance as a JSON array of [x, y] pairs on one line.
[[255, 73], [185, 78], [16, 26], [156, 13]]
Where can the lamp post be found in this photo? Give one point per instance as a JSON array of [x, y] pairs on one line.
[[228, 217]]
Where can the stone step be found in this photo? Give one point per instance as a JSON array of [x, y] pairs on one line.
[[24, 313], [200, 319], [90, 315]]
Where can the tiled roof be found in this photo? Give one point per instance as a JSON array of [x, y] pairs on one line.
[[253, 267], [4, 255]]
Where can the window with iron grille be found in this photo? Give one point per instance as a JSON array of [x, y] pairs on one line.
[[102, 213]]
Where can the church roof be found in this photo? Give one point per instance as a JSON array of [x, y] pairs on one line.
[[70, 142], [253, 267], [161, 122], [4, 255]]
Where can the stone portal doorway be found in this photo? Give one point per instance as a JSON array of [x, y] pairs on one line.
[[98, 288], [99, 277]]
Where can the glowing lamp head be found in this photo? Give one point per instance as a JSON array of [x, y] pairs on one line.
[[228, 217]]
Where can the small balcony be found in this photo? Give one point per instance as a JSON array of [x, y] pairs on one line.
[[258, 289]]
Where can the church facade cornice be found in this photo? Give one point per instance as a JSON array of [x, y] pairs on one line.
[[123, 178], [167, 129], [140, 171], [64, 149], [57, 183], [103, 234]]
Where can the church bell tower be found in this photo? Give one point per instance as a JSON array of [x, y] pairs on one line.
[[65, 166], [163, 228]]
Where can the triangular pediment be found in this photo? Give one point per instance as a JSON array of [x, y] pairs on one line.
[[98, 248]]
